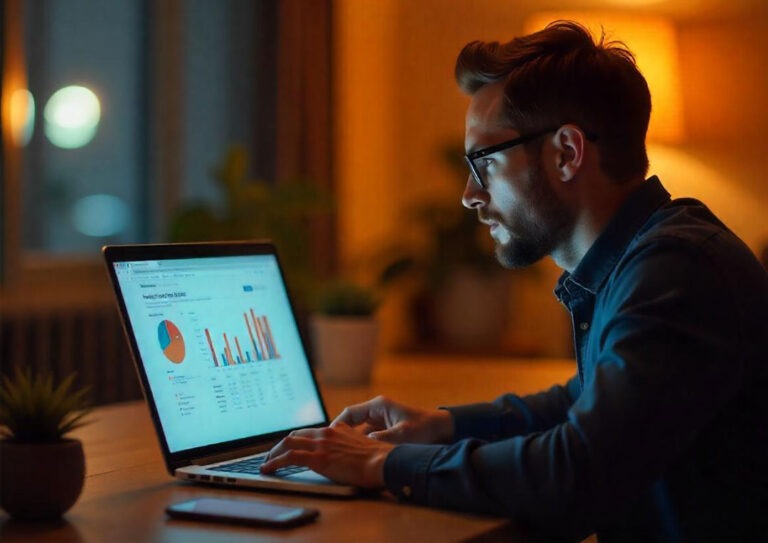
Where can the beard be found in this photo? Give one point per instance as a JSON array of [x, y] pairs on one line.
[[542, 224]]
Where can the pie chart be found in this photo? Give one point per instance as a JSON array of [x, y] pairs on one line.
[[171, 341]]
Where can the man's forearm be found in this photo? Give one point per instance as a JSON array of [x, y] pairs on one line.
[[511, 415]]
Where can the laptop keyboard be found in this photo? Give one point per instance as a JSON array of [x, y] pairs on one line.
[[252, 465]]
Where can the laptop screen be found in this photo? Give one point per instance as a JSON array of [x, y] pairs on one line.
[[220, 347]]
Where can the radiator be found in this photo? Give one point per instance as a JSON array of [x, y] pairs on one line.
[[88, 341]]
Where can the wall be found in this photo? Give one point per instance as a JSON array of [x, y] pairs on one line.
[[398, 106], [724, 71]]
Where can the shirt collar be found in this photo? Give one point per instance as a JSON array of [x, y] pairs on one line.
[[611, 244]]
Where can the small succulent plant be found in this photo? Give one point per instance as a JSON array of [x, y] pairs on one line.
[[344, 299], [33, 409]]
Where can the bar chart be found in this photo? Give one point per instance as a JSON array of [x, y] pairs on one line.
[[257, 346]]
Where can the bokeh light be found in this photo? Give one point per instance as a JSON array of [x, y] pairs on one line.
[[72, 116], [100, 215], [22, 116]]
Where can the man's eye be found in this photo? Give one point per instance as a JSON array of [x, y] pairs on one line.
[[486, 163]]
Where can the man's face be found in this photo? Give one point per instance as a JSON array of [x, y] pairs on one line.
[[527, 218]]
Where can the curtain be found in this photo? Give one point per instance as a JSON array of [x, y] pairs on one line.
[[304, 147]]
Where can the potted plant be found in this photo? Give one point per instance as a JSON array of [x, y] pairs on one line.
[[463, 299], [344, 332], [343, 328], [252, 209], [41, 470]]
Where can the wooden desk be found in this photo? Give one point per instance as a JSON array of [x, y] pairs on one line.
[[127, 487]]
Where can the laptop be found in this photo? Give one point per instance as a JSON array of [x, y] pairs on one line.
[[220, 357]]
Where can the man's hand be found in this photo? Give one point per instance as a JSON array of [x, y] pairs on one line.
[[385, 420], [340, 453]]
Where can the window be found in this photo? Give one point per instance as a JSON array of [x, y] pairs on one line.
[[130, 106], [135, 102], [84, 179]]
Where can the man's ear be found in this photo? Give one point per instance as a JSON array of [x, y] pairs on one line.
[[569, 144]]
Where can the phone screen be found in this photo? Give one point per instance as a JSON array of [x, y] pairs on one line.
[[242, 512]]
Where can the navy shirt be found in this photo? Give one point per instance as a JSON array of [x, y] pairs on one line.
[[663, 432]]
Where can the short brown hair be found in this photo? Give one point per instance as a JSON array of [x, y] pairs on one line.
[[561, 75]]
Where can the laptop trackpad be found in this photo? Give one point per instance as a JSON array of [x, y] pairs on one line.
[[309, 477]]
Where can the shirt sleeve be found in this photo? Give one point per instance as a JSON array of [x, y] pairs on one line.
[[510, 415], [667, 363]]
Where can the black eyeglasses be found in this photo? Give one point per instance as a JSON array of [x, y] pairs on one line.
[[480, 153]]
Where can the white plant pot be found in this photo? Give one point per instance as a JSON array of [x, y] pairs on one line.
[[344, 348]]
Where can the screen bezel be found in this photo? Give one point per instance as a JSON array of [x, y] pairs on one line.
[[169, 251]]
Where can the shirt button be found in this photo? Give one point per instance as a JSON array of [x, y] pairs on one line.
[[584, 326], [407, 491]]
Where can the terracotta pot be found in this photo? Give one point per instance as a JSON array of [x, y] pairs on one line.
[[40, 480], [344, 348]]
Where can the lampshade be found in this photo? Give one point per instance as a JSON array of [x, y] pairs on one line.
[[653, 40]]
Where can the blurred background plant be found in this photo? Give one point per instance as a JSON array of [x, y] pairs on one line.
[[463, 294], [254, 209], [347, 298], [455, 238]]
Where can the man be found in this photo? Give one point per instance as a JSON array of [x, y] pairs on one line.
[[663, 432]]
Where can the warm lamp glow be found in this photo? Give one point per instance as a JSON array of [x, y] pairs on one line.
[[636, 3], [685, 175], [653, 40], [22, 117]]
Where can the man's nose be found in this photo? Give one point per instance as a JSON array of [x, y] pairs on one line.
[[474, 195]]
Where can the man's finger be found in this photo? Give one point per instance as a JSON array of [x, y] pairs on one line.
[[373, 411], [354, 415], [291, 457], [391, 435], [292, 442], [366, 429]]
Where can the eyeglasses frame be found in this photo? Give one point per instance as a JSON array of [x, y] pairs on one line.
[[503, 146]]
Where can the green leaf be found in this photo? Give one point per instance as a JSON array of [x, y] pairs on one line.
[[347, 299], [36, 409]]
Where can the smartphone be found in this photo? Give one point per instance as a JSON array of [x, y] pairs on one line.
[[251, 512]]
